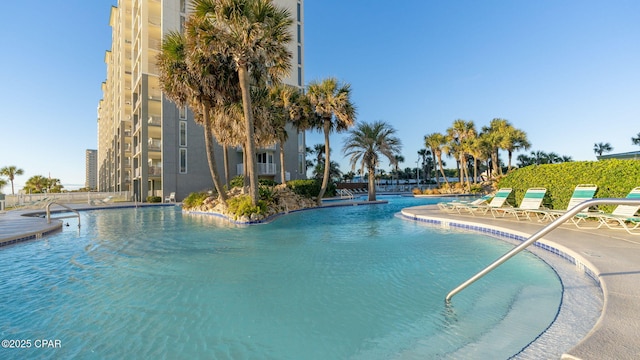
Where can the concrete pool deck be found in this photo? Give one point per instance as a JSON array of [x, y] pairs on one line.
[[612, 257]]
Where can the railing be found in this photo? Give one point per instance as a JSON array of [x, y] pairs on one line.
[[76, 213], [263, 169], [345, 194], [537, 236]]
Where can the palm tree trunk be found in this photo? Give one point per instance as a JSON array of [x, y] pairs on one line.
[[248, 121], [442, 169], [226, 164], [327, 161], [509, 166], [475, 170], [211, 158], [372, 183], [435, 162], [283, 173]]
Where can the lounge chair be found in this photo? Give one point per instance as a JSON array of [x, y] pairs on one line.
[[532, 200], [171, 198], [499, 200], [622, 217], [106, 201], [451, 206], [581, 193]]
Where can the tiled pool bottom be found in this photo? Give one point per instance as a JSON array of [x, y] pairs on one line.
[[582, 297]]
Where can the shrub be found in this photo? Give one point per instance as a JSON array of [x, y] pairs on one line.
[[154, 199], [308, 188], [241, 206], [615, 178], [237, 181], [195, 199]]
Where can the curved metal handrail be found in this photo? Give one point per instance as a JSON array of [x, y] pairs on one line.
[[535, 237], [77, 214]]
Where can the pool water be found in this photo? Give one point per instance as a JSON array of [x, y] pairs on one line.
[[352, 282]]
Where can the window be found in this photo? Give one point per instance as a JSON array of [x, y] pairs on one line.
[[299, 33], [183, 113], [183, 133], [299, 55], [183, 6], [183, 161], [299, 11], [299, 76]]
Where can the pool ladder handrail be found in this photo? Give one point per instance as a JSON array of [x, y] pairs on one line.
[[77, 214], [345, 194], [535, 237]]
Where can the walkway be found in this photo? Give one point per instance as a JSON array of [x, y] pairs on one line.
[[613, 257]]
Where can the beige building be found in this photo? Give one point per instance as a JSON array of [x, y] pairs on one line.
[[91, 169], [148, 146]]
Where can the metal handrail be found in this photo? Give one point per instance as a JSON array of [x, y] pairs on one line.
[[535, 237], [61, 217]]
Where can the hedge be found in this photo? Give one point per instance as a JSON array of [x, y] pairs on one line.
[[614, 178]]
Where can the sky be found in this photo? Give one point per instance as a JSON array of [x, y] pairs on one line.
[[566, 72]]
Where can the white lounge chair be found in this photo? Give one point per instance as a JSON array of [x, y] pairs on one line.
[[499, 200], [451, 206], [622, 217], [581, 193], [532, 200], [171, 198]]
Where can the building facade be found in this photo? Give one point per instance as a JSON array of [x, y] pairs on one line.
[[91, 169], [146, 144]]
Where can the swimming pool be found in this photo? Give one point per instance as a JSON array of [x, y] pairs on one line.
[[349, 282]]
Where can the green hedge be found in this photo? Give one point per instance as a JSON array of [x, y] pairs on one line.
[[615, 178], [154, 199]]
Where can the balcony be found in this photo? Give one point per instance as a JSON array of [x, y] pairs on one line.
[[155, 170], [154, 145], [154, 120], [263, 169]]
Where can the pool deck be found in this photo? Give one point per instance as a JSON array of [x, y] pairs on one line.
[[612, 256]]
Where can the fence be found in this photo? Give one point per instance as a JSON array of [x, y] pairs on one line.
[[29, 200]]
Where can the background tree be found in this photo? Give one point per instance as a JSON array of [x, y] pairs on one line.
[[254, 33], [366, 143], [330, 103], [636, 140], [11, 172], [39, 184], [426, 162], [397, 159], [600, 148], [3, 183], [514, 140], [435, 142]]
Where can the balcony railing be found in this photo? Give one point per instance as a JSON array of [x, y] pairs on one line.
[[263, 169], [155, 170], [154, 120], [154, 145]]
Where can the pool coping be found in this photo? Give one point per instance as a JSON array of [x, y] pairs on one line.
[[607, 256]]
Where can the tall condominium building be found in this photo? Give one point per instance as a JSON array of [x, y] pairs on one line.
[[146, 144], [91, 171]]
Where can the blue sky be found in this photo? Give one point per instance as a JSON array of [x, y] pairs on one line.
[[565, 72]]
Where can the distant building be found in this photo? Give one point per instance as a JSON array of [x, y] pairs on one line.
[[147, 145], [91, 169], [632, 155]]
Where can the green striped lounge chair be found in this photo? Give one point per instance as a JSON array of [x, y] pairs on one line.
[[581, 193], [499, 200], [622, 217], [532, 200], [451, 206]]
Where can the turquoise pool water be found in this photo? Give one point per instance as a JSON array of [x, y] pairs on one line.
[[352, 282]]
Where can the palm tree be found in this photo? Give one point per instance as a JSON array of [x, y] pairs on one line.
[[636, 140], [189, 75], [461, 133], [495, 135], [289, 108], [331, 104], [435, 142], [11, 172], [600, 148], [255, 34], [426, 164], [397, 159], [514, 140], [366, 143], [3, 183], [36, 184]]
